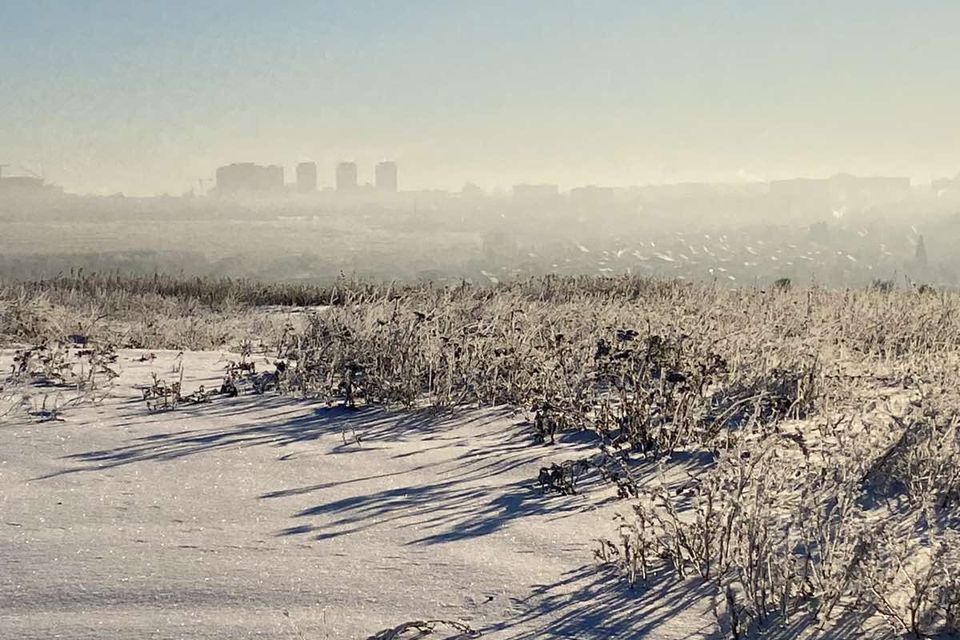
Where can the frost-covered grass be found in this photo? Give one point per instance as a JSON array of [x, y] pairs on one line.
[[823, 422]]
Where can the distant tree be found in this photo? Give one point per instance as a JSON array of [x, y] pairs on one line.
[[883, 286], [782, 284]]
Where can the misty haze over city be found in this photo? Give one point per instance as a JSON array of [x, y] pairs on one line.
[[439, 141]]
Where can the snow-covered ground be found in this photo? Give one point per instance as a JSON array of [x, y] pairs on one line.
[[268, 517]]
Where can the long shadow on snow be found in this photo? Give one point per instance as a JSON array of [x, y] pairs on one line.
[[594, 602], [373, 426], [472, 498], [443, 511]]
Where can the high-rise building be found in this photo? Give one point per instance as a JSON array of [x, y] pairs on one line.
[[273, 178], [247, 176], [347, 176], [26, 186], [307, 177], [386, 176]]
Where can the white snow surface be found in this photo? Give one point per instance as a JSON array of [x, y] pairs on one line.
[[264, 517]]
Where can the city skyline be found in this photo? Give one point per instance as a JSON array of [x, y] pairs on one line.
[[346, 177], [148, 98], [205, 182]]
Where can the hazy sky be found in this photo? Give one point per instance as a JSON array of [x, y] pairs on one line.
[[147, 97]]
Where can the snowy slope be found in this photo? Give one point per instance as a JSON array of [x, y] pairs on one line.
[[268, 517]]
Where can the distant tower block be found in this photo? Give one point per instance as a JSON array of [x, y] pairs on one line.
[[249, 177], [386, 176], [347, 176], [307, 177]]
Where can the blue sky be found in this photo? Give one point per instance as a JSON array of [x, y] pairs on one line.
[[147, 97]]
